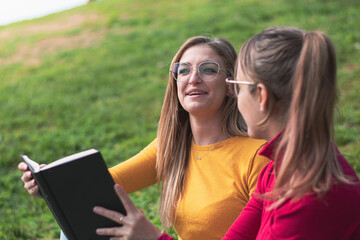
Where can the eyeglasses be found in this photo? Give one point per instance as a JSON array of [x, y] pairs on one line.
[[237, 82], [207, 71]]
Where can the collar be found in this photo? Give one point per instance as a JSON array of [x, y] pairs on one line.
[[268, 150]]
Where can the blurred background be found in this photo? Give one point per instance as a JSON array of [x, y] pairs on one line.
[[94, 76], [20, 10]]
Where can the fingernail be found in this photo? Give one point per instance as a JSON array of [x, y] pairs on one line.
[[99, 231]]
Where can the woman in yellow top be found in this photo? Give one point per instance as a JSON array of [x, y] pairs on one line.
[[207, 164]]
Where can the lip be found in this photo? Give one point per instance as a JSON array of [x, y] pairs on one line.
[[195, 92]]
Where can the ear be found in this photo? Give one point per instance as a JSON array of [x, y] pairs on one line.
[[263, 97], [230, 91]]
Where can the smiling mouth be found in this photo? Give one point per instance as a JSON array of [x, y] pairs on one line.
[[196, 93]]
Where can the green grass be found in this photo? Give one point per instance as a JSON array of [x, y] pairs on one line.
[[95, 77]]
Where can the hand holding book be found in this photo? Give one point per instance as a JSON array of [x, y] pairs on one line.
[[132, 226], [71, 187], [29, 182]]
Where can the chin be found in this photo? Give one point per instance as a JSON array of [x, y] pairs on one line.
[[194, 108]]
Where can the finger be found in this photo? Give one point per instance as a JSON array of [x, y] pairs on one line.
[[128, 203], [23, 167], [27, 176], [110, 214], [34, 191], [31, 186], [114, 231]]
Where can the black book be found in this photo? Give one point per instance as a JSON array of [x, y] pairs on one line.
[[72, 186]]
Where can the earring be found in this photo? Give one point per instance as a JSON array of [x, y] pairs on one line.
[[260, 109]]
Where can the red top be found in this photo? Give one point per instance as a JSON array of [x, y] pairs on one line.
[[164, 236], [334, 216]]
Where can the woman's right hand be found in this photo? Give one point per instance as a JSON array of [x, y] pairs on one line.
[[29, 182]]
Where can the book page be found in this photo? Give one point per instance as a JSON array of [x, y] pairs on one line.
[[33, 166], [70, 158]]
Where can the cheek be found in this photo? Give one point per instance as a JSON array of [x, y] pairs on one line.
[[179, 87], [241, 104], [221, 90], [245, 108]]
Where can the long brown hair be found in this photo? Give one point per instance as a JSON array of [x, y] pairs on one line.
[[174, 133], [299, 71]]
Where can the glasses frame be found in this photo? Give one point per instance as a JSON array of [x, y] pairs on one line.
[[228, 80], [172, 70]]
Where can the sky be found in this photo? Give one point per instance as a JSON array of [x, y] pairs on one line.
[[18, 10]]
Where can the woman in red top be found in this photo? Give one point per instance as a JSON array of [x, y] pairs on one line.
[[286, 89]]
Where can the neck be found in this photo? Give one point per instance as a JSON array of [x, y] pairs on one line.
[[206, 130], [271, 129]]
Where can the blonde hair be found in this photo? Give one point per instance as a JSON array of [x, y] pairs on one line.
[[299, 71], [174, 133]]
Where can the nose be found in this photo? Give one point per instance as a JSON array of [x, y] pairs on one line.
[[194, 77]]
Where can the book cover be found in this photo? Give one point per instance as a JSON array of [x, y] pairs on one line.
[[72, 186]]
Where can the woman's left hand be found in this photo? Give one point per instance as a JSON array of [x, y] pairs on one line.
[[133, 226]]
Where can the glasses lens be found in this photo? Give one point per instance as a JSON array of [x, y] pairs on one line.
[[208, 71], [182, 71]]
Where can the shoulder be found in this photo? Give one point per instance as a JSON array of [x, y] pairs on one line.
[[247, 140], [346, 166], [245, 143], [151, 147], [245, 152], [247, 147]]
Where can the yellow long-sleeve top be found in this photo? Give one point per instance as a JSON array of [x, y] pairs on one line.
[[216, 189]]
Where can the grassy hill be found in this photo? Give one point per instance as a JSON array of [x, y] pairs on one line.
[[95, 77]]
